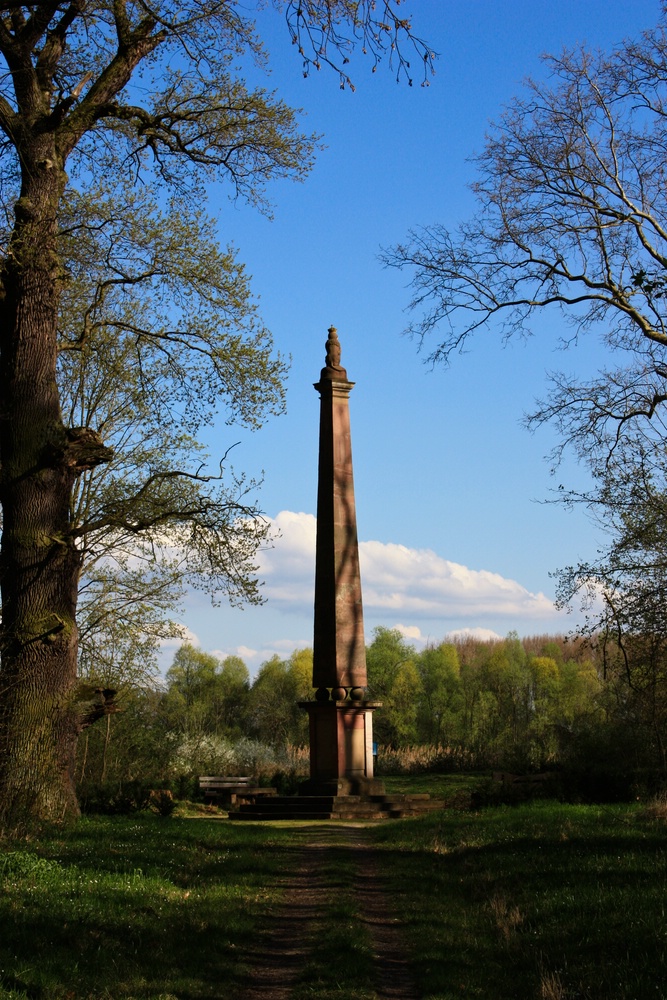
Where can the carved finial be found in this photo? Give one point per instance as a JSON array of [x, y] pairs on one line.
[[333, 369], [333, 349]]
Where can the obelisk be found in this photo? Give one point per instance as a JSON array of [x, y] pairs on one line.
[[341, 733]]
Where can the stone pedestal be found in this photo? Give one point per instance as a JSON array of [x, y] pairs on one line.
[[341, 749]]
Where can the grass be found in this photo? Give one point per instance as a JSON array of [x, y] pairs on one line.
[[133, 908], [545, 901], [341, 962], [454, 789], [541, 901]]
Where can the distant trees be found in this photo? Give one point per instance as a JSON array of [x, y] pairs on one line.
[[506, 703], [593, 708], [274, 716]]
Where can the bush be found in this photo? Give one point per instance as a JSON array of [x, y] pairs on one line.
[[161, 801], [114, 799], [219, 756]]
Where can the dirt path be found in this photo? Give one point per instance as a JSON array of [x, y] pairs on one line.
[[291, 933]]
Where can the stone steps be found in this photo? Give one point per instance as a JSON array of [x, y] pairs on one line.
[[341, 807]]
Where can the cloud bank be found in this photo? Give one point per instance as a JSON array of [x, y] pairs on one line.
[[396, 580]]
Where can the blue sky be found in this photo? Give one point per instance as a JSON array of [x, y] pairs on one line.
[[450, 489]]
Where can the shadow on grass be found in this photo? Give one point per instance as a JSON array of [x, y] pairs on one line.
[[502, 903]]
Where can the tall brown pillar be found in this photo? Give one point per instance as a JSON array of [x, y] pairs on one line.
[[339, 653], [341, 734]]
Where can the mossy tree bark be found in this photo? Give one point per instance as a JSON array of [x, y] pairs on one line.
[[39, 560]]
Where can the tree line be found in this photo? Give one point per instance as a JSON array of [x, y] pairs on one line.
[[524, 705]]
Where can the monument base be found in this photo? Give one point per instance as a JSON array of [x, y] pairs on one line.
[[341, 748], [365, 787]]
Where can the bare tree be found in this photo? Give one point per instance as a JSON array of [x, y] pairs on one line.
[[572, 193]]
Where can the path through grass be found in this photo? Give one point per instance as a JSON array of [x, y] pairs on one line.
[[537, 902]]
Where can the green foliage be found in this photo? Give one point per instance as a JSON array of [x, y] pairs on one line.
[[206, 696], [393, 681], [275, 717], [517, 705], [543, 703], [441, 696], [159, 514]]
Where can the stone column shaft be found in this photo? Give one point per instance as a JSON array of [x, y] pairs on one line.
[[339, 653]]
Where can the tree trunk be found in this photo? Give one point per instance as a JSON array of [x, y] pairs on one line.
[[39, 561]]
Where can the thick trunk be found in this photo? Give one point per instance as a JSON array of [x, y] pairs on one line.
[[39, 561]]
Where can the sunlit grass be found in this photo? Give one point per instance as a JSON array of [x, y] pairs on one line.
[[133, 908]]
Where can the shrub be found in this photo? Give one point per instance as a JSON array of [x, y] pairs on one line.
[[114, 798], [161, 801], [215, 755]]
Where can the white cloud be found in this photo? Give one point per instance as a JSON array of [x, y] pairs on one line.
[[245, 652], [483, 634], [288, 566], [410, 632], [255, 657], [417, 583]]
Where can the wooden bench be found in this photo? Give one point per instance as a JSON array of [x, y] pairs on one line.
[[230, 790]]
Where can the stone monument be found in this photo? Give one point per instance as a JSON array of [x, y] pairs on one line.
[[341, 783], [341, 727]]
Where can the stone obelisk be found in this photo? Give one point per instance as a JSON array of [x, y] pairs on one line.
[[341, 733]]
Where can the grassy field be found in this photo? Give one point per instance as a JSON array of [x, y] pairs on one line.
[[141, 907], [542, 902]]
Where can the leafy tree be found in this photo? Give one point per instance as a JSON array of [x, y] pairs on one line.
[[156, 515], [274, 712], [206, 696], [441, 696], [398, 722], [507, 678], [92, 94], [393, 681], [229, 697], [190, 680], [384, 656]]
